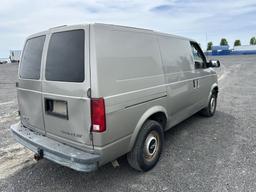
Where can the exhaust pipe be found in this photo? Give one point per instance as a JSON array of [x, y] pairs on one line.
[[39, 155]]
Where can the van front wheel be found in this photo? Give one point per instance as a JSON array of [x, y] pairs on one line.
[[209, 111], [148, 147]]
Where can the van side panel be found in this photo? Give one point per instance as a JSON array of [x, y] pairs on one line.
[[206, 77], [126, 61], [179, 74], [129, 77]]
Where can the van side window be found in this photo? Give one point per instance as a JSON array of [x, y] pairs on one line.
[[31, 59], [198, 55], [65, 57]]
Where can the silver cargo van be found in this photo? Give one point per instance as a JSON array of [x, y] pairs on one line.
[[89, 94]]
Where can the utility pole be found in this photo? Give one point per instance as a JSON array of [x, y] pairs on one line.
[[206, 39]]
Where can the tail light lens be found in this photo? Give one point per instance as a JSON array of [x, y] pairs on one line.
[[98, 116]]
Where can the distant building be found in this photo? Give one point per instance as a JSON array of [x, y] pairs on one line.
[[244, 50], [237, 50], [15, 55], [221, 50]]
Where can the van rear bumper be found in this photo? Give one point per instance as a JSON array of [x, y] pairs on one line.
[[55, 151]]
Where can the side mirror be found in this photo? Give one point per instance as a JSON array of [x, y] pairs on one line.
[[214, 63]]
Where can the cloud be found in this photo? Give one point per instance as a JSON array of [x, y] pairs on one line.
[[191, 18], [162, 8]]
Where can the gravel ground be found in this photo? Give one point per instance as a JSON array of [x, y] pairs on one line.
[[200, 154]]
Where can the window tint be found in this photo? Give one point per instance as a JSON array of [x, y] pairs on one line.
[[197, 55], [31, 59], [65, 57]]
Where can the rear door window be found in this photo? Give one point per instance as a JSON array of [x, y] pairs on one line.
[[31, 60], [65, 57]]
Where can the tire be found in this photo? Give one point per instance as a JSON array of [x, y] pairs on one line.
[[209, 111], [148, 147]]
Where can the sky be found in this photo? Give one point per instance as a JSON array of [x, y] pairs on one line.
[[202, 20]]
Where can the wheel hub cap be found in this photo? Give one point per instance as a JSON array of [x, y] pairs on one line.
[[212, 104], [151, 145]]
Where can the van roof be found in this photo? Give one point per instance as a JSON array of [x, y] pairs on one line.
[[120, 27], [141, 30]]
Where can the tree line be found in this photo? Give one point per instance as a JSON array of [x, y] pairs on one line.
[[237, 42]]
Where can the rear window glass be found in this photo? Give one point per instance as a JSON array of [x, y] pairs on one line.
[[31, 60], [65, 57]]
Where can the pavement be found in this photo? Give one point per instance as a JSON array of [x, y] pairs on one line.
[[200, 154]]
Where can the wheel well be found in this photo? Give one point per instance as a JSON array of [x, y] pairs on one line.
[[160, 118], [216, 90]]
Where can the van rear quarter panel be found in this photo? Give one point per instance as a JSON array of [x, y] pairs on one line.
[[127, 71]]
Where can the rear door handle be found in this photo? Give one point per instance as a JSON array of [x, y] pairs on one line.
[[56, 108]]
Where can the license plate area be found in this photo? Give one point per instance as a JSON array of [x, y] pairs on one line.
[[57, 108]]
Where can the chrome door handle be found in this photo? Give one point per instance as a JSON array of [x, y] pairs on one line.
[[195, 83]]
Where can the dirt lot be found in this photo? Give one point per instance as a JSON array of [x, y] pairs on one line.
[[200, 154], [12, 155]]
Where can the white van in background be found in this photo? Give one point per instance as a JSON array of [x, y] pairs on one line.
[[15, 55]]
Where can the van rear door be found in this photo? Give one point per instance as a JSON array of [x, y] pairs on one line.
[[66, 106], [29, 86]]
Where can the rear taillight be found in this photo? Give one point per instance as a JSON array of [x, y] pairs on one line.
[[98, 115]]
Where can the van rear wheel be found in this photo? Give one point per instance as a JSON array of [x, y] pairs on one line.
[[209, 111], [148, 147]]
